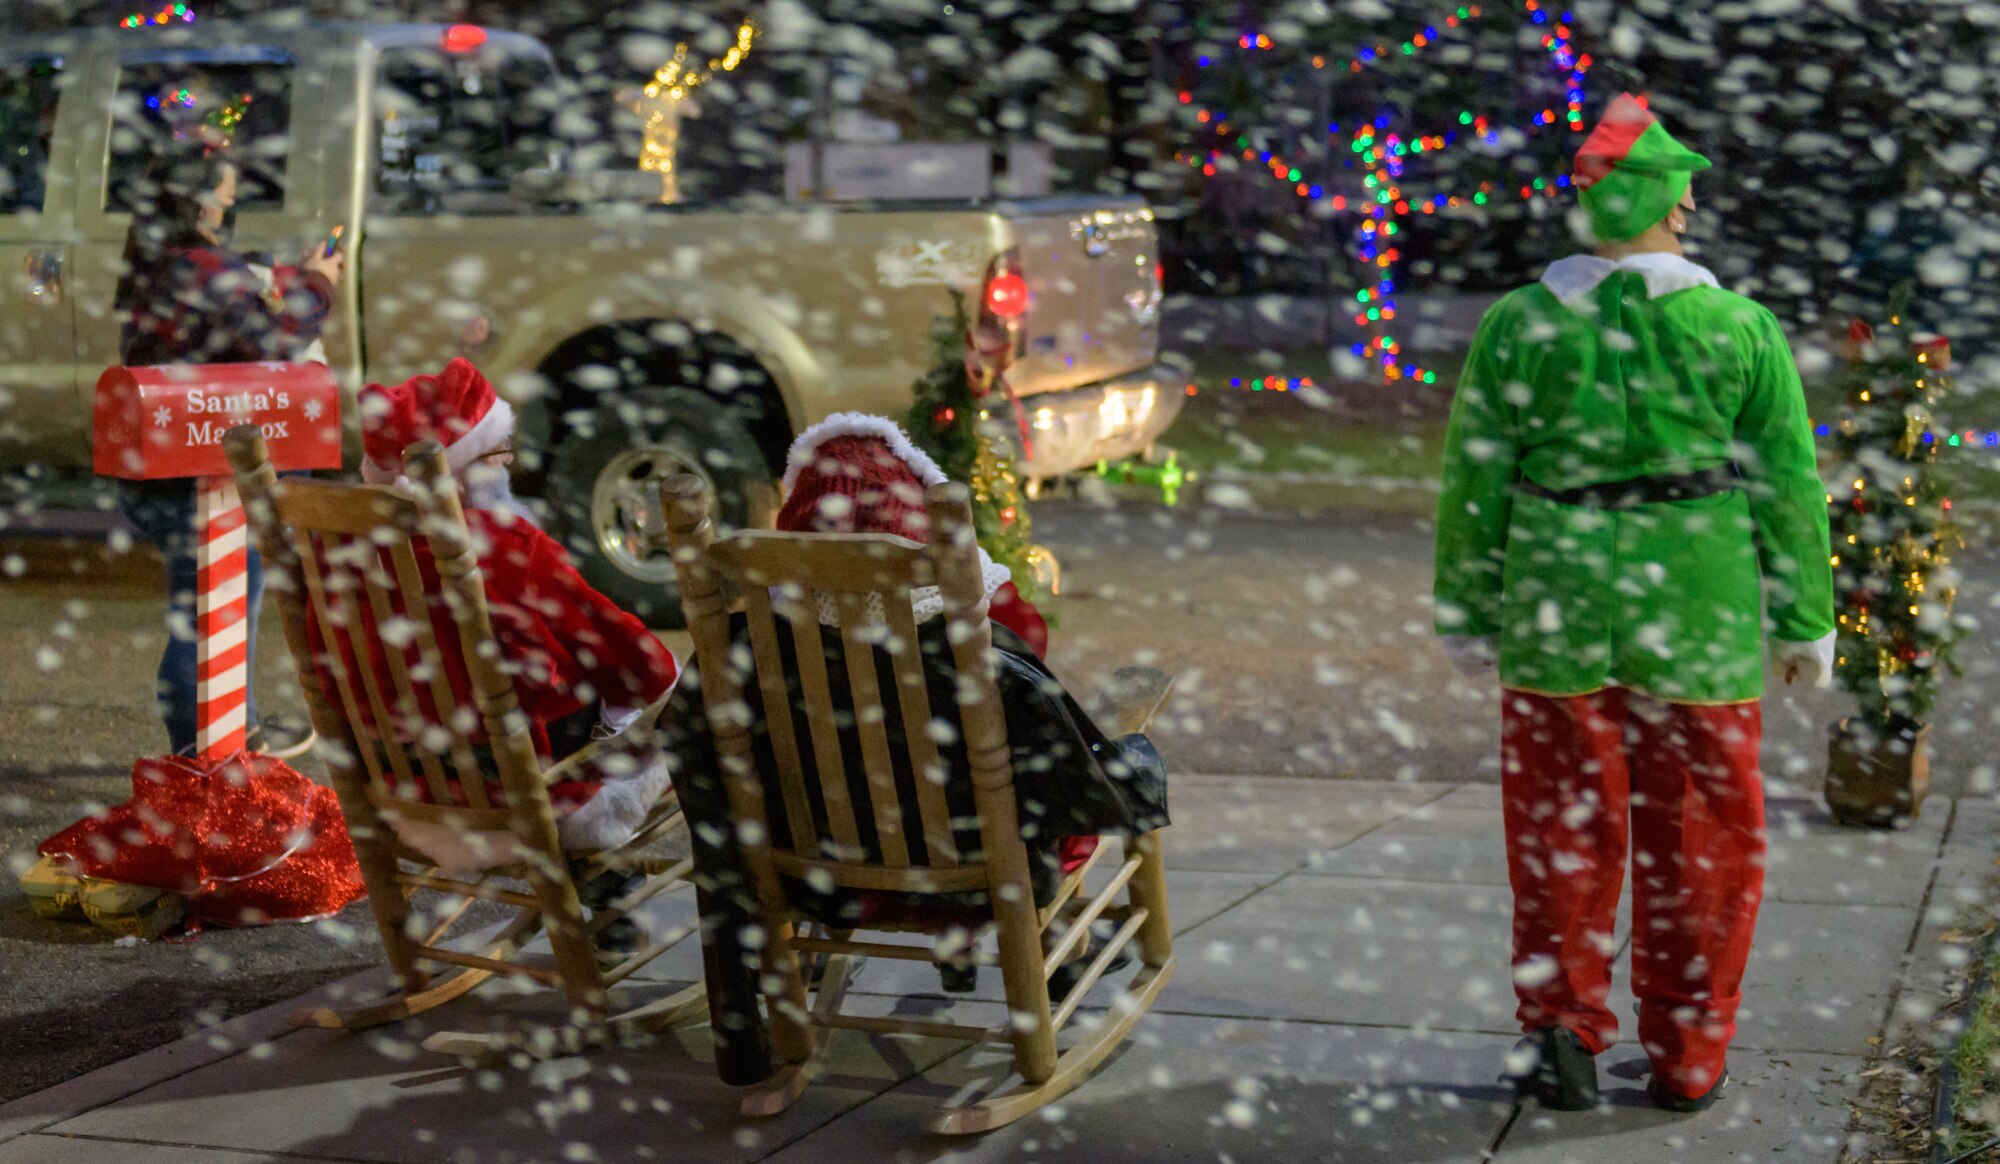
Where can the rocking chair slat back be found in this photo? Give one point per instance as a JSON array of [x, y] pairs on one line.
[[856, 825], [408, 714], [859, 638], [770, 674], [399, 738], [303, 557], [828, 770], [409, 578], [345, 563], [914, 698]]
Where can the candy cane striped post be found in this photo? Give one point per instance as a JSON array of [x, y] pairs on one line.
[[222, 619]]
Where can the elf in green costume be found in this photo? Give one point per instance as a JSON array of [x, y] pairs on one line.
[[1630, 508]]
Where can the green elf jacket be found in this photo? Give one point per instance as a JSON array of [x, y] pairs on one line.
[[1603, 372]]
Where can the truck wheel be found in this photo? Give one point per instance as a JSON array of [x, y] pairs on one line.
[[603, 490]]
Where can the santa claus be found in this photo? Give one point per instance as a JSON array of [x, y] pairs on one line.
[[582, 667]]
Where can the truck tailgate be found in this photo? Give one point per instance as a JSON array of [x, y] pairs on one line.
[[1092, 266]]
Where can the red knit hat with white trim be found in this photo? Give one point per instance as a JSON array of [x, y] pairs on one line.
[[855, 473], [457, 408]]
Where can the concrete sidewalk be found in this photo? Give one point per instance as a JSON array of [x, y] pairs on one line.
[[1342, 995]]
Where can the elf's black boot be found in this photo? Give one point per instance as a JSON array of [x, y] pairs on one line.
[[1552, 1067], [1670, 1101]]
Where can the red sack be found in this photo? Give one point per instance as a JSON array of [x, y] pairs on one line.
[[247, 840]]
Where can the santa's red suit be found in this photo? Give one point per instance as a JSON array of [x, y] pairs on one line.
[[571, 652]]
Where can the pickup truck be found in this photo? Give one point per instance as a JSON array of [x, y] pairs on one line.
[[636, 340]]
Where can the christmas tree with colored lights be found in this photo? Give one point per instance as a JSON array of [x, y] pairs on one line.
[[1408, 145], [1894, 585], [952, 422], [943, 397]]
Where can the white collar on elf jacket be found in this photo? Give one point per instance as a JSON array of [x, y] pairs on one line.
[[1573, 278]]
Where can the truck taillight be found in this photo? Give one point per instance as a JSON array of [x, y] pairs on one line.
[[463, 38], [1007, 294]]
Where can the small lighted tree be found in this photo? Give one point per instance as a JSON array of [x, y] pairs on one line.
[[952, 421], [1894, 585]]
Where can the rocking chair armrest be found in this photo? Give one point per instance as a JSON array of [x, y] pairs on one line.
[[578, 761]]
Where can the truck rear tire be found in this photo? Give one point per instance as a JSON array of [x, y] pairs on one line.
[[602, 490]]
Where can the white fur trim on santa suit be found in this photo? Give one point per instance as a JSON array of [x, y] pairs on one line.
[[1573, 278], [613, 816], [610, 818], [860, 424], [926, 602], [492, 432]]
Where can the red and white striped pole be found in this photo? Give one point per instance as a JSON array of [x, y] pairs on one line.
[[222, 630]]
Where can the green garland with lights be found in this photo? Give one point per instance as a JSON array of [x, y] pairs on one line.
[[957, 430], [1894, 586]]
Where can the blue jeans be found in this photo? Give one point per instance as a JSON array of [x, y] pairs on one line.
[[163, 513]]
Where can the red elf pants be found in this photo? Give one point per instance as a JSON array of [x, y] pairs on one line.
[[1574, 770]]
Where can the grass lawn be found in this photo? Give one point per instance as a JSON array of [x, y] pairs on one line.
[[1284, 434], [1976, 1059], [1336, 427]]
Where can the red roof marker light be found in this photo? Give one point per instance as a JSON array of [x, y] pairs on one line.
[[1007, 295], [463, 38]]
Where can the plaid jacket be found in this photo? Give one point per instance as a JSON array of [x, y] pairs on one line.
[[207, 305]]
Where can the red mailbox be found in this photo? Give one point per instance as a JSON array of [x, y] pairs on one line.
[[152, 423], [168, 421]]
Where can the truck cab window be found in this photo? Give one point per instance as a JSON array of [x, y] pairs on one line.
[[27, 119], [453, 129], [247, 103]]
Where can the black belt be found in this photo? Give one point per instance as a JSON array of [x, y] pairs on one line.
[[1637, 491]]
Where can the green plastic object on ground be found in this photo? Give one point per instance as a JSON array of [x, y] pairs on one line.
[[1166, 475]]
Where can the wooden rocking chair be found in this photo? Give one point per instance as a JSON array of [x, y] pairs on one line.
[[859, 570], [336, 550]]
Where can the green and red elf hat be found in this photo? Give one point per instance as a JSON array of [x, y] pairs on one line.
[[1630, 171]]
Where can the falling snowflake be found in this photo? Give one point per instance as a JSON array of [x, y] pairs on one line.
[[312, 409], [162, 416]]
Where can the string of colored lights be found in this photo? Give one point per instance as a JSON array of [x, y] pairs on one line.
[[1970, 437], [1366, 56], [1384, 202], [166, 15], [1390, 204]]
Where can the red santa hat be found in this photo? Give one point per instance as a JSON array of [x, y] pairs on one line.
[[855, 473], [458, 408]]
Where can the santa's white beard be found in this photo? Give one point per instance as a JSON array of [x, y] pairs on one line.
[[491, 487]]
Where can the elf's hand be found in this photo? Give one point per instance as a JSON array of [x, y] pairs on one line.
[[1473, 656], [1808, 663]]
